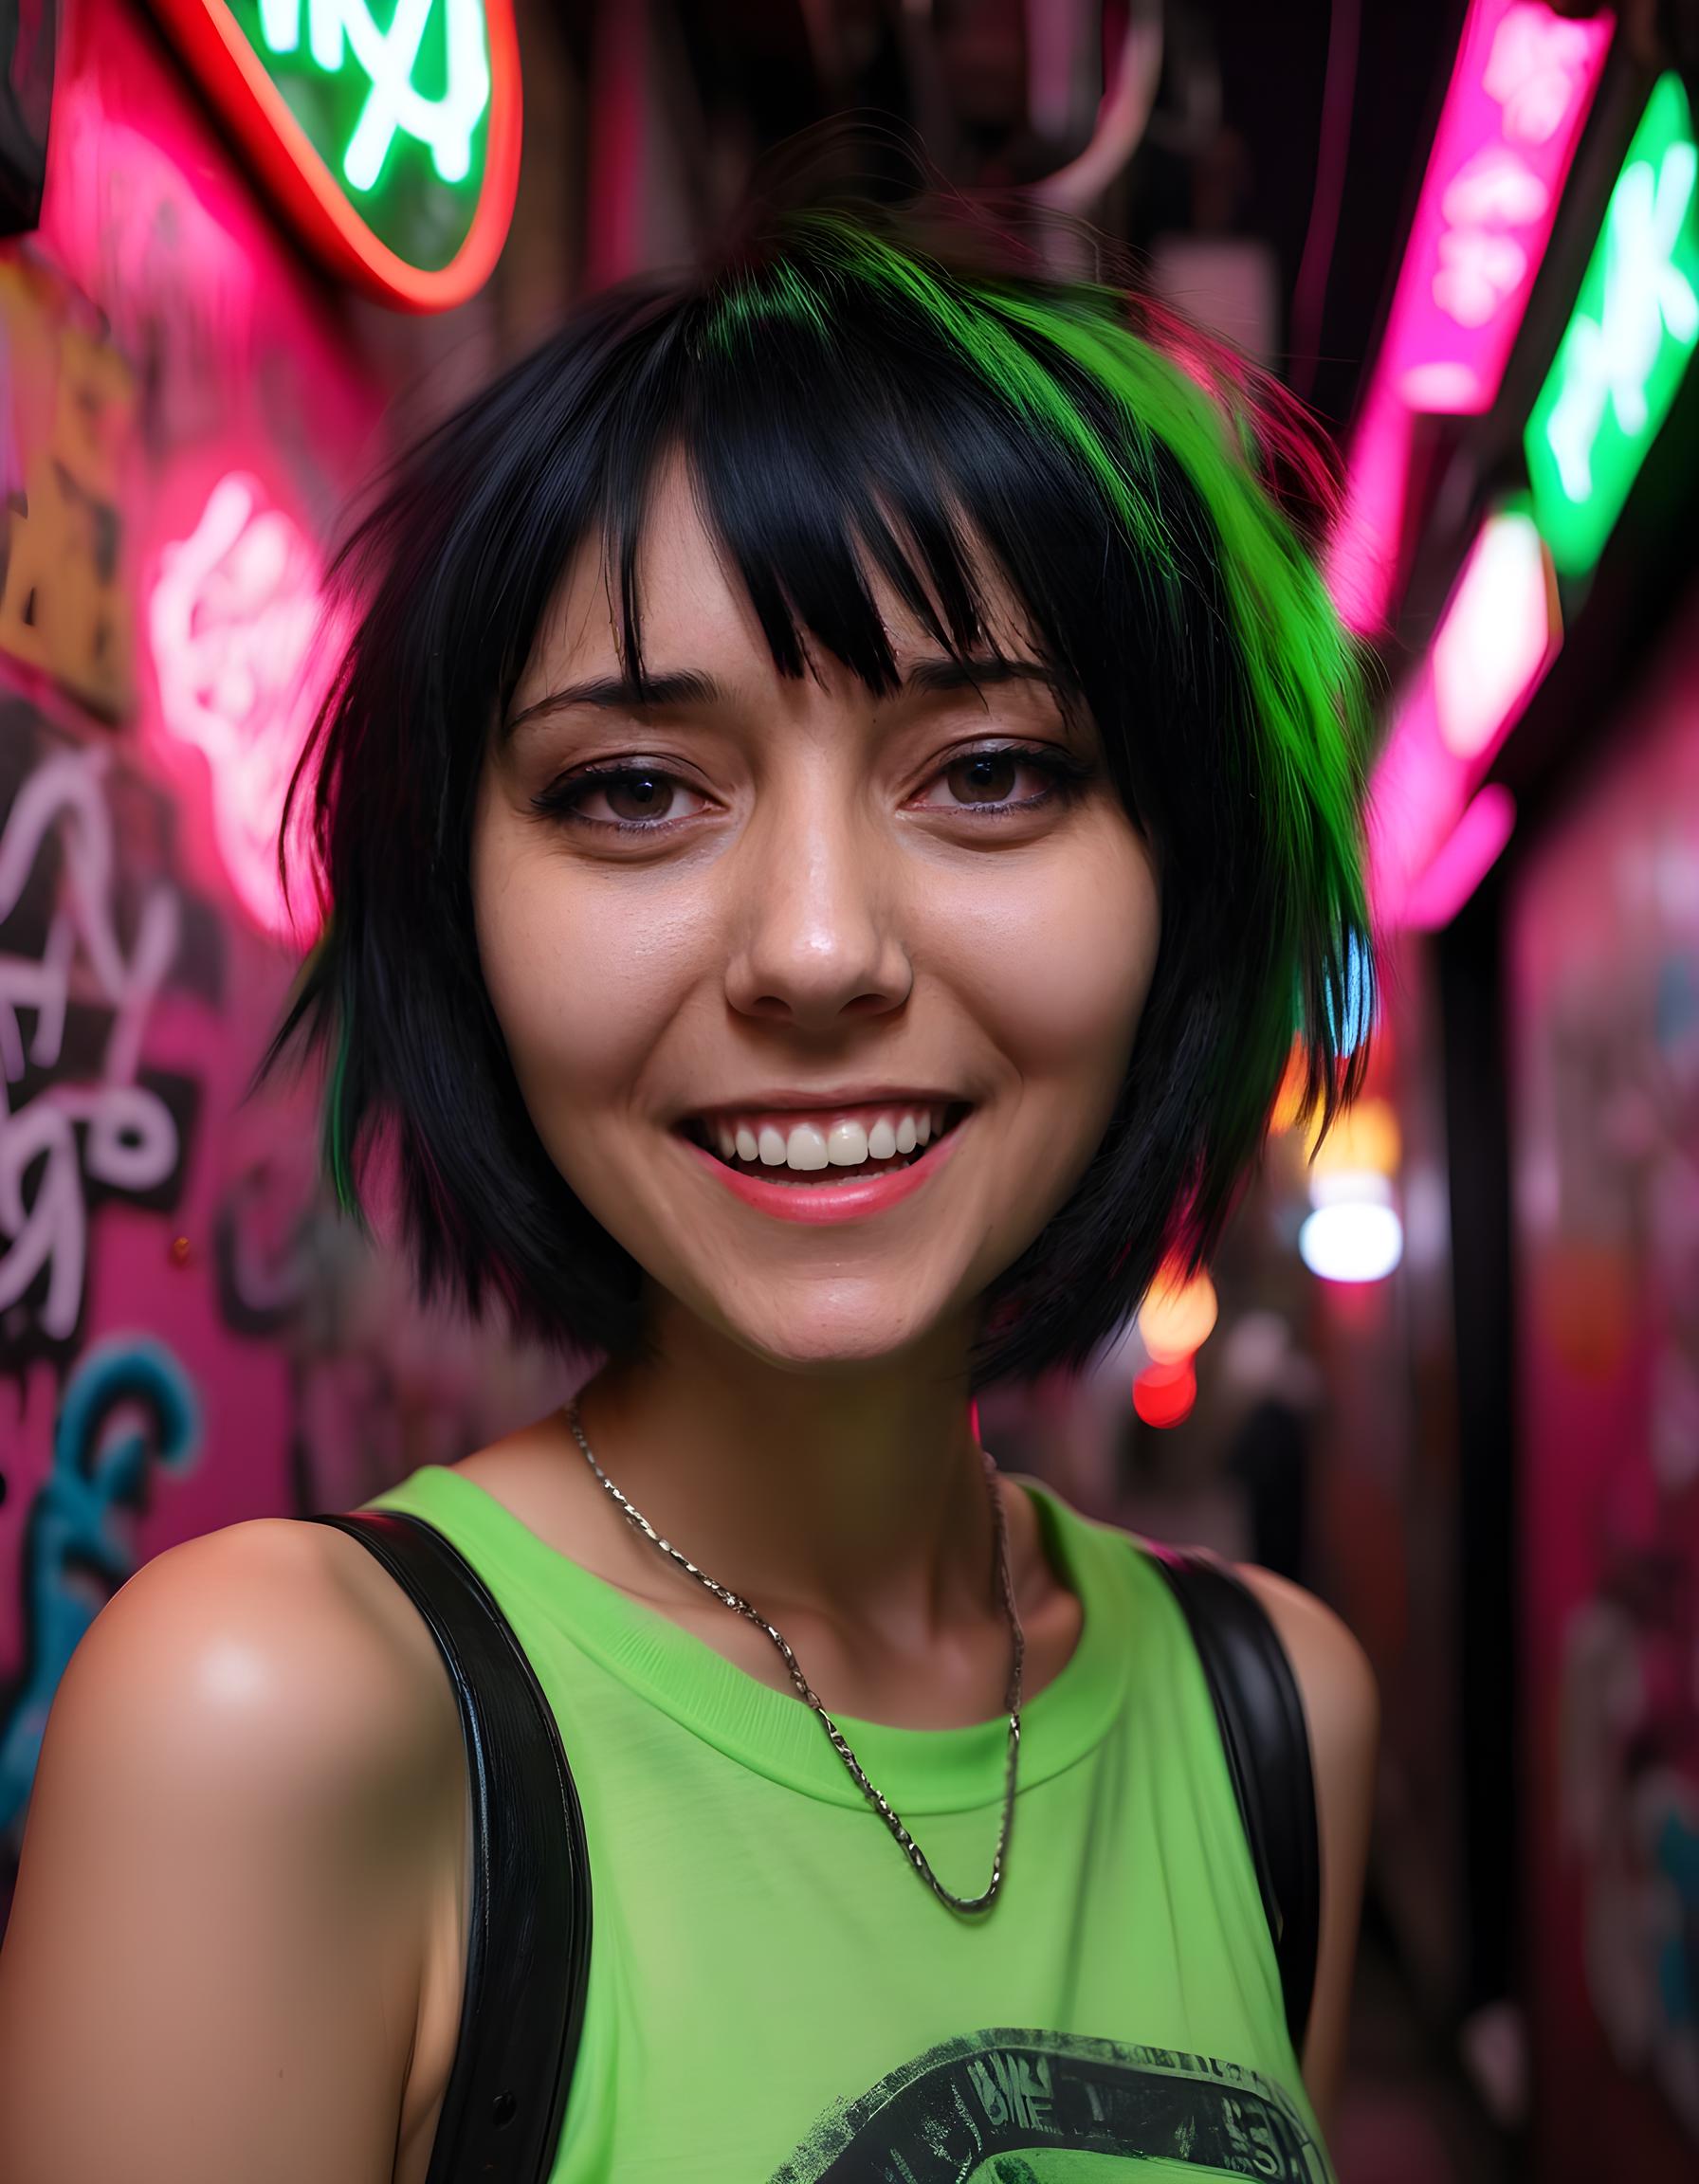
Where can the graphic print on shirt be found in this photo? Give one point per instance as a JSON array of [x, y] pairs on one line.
[[1022, 2107]]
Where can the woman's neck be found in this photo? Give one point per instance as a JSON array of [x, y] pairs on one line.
[[856, 1493]]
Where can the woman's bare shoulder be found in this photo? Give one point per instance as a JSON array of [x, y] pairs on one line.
[[294, 1630], [245, 1782], [1341, 1697]]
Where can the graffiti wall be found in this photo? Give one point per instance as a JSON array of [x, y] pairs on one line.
[[1604, 969], [188, 1335]]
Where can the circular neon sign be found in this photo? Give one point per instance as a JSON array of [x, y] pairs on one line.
[[394, 148]]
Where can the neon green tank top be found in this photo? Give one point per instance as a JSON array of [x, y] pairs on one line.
[[773, 1997]]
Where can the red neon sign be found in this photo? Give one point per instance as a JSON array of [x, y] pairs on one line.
[[345, 206]]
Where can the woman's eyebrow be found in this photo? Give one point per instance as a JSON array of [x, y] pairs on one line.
[[691, 686], [929, 678], [621, 693]]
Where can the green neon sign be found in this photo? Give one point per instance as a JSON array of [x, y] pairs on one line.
[[1634, 326], [393, 95], [386, 131]]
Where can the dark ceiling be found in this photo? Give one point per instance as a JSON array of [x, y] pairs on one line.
[[1273, 62], [1234, 144]]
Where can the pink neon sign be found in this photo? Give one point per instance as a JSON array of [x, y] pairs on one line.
[[1464, 860], [1524, 81], [233, 619], [1499, 633], [1519, 92], [1497, 636]]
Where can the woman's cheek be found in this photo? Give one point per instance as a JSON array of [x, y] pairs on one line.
[[1061, 968], [559, 1010], [589, 976]]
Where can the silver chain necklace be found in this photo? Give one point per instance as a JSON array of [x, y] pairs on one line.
[[910, 1848]]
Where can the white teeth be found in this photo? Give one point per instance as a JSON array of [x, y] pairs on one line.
[[846, 1145], [806, 1147], [811, 1146]]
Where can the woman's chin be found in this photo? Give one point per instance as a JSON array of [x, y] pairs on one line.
[[842, 1336]]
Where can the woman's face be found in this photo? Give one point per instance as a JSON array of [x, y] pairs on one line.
[[819, 1001]]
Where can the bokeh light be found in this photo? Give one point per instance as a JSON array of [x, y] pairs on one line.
[[1177, 1313], [1366, 1136], [1356, 1240], [1163, 1394]]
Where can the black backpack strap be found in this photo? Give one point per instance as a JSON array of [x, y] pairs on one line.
[[528, 1954], [1267, 1742]]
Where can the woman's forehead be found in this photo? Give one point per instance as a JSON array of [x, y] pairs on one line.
[[696, 612]]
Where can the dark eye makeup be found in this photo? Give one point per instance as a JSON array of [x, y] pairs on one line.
[[643, 799]]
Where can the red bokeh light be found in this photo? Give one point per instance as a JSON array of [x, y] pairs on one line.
[[1163, 1394]]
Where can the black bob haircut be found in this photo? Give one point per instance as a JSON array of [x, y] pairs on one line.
[[853, 390]]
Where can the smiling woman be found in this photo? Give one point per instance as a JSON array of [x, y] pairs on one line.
[[843, 793], [814, 909], [889, 509]]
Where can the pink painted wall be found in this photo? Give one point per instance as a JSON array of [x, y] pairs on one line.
[[187, 1336], [1604, 969]]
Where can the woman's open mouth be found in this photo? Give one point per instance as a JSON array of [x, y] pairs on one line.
[[825, 1164]]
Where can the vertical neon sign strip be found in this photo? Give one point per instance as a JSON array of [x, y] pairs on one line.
[[1462, 861], [1628, 344], [1499, 633], [1520, 93], [1521, 90], [394, 152]]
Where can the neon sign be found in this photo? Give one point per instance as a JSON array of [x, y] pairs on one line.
[[394, 148], [1462, 861], [1634, 326], [235, 621], [1497, 636], [1522, 83], [391, 102], [1499, 633], [1519, 92]]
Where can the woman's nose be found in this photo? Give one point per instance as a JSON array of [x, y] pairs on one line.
[[817, 926]]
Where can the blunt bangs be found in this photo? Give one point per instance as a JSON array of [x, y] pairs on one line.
[[854, 403]]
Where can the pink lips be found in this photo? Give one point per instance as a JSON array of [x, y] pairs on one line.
[[826, 1202]]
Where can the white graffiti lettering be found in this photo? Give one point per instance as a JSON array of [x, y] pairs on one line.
[[128, 1136]]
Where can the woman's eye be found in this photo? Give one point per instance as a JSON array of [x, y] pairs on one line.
[[636, 796], [643, 799], [989, 779]]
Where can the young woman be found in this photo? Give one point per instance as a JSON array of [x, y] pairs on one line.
[[843, 793]]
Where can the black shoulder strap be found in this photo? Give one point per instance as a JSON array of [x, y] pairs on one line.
[[1267, 1742], [529, 1946]]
